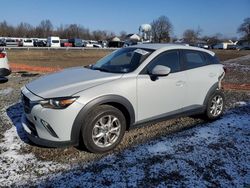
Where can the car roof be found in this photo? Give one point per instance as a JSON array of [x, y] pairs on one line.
[[169, 46]]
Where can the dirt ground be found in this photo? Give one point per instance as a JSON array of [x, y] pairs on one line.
[[11, 110]]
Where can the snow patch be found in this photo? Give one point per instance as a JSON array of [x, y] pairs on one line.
[[16, 167], [209, 154], [241, 103], [160, 148], [6, 91]]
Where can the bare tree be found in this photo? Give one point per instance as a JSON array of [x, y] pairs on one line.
[[191, 36], [98, 35], [245, 29], [123, 35], [6, 29], [44, 29], [212, 40], [161, 29], [24, 30]]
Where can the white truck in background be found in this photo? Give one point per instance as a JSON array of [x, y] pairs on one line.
[[53, 42]]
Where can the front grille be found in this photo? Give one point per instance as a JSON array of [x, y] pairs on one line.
[[26, 104]]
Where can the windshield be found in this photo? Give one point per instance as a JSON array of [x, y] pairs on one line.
[[123, 60]]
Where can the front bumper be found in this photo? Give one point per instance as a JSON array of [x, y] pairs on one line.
[[48, 127], [34, 138]]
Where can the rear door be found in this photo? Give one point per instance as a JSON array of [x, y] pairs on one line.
[[200, 76], [165, 94]]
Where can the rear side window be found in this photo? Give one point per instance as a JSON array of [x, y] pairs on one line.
[[169, 59], [212, 59], [193, 59]]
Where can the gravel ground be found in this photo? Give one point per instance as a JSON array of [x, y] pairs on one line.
[[238, 70], [21, 161]]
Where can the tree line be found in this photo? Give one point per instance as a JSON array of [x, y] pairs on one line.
[[46, 28], [162, 30]]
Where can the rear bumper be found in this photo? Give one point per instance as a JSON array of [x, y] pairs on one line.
[[34, 138], [4, 72]]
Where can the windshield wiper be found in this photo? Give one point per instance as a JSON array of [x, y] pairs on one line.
[[100, 69]]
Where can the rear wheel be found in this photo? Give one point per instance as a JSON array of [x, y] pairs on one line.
[[103, 129], [215, 106]]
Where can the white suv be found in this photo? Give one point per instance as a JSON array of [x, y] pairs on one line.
[[4, 66], [129, 87]]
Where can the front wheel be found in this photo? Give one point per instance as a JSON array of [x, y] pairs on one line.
[[103, 129], [215, 106]]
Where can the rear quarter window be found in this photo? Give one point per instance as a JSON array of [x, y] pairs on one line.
[[212, 59]]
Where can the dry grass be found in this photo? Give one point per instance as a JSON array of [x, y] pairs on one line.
[[63, 58], [230, 54], [56, 58]]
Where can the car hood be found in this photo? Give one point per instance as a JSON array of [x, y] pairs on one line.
[[69, 81]]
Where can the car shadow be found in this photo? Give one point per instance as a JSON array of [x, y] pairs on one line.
[[14, 113]]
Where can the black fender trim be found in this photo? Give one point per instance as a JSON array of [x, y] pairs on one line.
[[77, 125], [210, 92], [4, 72]]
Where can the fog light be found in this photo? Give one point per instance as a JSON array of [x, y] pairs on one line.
[[49, 128], [45, 124]]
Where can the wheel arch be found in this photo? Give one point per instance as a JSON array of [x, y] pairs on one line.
[[212, 89], [116, 101]]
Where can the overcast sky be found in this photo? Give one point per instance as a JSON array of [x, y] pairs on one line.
[[212, 16]]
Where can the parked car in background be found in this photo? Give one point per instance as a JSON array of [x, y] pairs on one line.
[[92, 44], [53, 42], [132, 86], [231, 47], [4, 66], [202, 45], [76, 42], [26, 43], [246, 47], [40, 43], [2, 42], [11, 42], [65, 43]]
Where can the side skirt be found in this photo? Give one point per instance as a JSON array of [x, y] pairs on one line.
[[184, 112]]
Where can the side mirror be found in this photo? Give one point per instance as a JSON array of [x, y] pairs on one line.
[[160, 70]]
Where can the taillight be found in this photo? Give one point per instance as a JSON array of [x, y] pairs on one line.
[[2, 55], [225, 69]]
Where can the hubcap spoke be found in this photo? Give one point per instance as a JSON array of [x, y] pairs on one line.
[[216, 105], [106, 131], [114, 130]]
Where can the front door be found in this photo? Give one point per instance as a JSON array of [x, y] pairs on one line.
[[157, 97]]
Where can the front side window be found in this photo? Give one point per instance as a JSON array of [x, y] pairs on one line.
[[169, 59], [193, 59], [123, 60]]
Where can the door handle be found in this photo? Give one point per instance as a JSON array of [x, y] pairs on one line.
[[180, 83]]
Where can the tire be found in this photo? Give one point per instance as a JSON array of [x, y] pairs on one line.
[[100, 136], [215, 106]]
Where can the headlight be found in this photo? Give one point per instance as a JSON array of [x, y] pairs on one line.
[[58, 103]]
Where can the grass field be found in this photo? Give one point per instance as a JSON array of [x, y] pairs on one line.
[[64, 59], [56, 58]]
